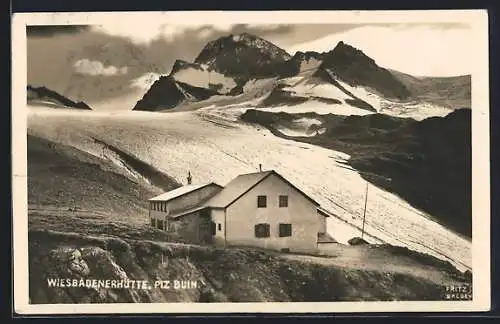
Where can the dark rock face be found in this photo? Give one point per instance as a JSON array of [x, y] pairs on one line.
[[167, 93], [354, 67], [243, 55], [45, 94], [282, 97], [82, 105], [429, 163], [163, 94], [292, 66], [357, 241]]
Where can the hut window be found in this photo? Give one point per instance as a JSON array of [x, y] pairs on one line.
[[283, 201], [219, 227], [261, 201], [159, 224], [153, 223], [262, 230], [285, 230], [212, 228]]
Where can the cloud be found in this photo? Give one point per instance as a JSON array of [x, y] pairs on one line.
[[145, 81], [51, 30], [421, 50], [85, 66], [150, 31]]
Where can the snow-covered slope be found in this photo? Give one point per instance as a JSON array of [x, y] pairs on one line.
[[216, 147], [309, 88], [413, 109], [200, 76]]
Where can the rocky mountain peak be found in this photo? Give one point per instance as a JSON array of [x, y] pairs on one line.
[[347, 54], [356, 68], [238, 43], [243, 56]]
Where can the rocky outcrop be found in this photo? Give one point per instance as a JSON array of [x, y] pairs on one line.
[[43, 95], [116, 270], [167, 93]]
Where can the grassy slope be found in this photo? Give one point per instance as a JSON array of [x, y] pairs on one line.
[[116, 242], [427, 163], [61, 177]]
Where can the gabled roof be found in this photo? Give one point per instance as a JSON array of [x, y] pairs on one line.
[[169, 195], [187, 212], [324, 212], [243, 184]]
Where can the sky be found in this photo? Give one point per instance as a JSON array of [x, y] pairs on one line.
[[107, 66]]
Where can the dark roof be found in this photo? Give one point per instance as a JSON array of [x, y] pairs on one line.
[[325, 238], [243, 184]]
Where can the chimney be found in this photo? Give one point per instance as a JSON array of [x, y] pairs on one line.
[[260, 167], [189, 178]]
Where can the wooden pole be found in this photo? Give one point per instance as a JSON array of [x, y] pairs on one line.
[[364, 211]]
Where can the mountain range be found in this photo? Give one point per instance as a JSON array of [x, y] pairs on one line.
[[234, 65], [46, 97]]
